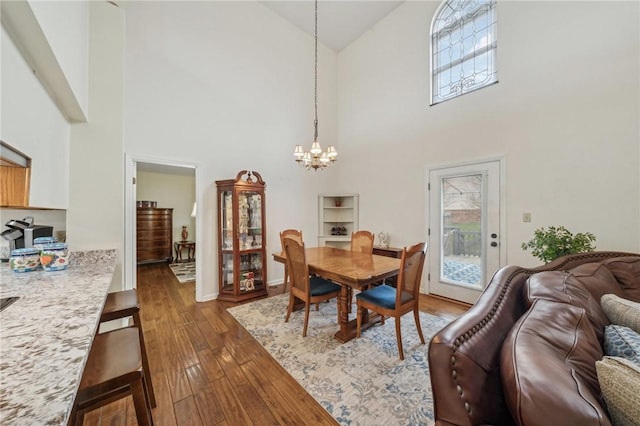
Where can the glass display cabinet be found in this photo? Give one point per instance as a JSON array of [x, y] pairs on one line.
[[242, 237]]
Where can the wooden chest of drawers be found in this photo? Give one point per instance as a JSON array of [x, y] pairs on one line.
[[154, 233]]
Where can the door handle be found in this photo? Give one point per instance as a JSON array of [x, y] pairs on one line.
[[494, 235], [494, 244]]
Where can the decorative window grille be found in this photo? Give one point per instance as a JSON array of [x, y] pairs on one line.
[[463, 45]]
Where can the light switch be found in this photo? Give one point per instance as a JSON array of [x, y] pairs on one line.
[[526, 217]]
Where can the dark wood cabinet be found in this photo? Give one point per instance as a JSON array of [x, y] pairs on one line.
[[389, 252], [242, 237], [154, 235]]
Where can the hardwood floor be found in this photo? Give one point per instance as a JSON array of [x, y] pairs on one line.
[[207, 370]]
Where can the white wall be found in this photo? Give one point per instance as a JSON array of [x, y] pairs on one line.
[[229, 86], [32, 123], [565, 114], [66, 26], [95, 218], [170, 191]]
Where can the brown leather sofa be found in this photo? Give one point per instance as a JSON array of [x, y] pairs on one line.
[[525, 352]]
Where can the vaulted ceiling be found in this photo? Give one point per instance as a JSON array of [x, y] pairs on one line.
[[339, 22]]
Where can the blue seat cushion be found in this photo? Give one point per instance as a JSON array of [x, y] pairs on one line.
[[320, 286], [383, 295]]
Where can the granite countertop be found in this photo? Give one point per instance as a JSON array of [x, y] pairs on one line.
[[46, 334]]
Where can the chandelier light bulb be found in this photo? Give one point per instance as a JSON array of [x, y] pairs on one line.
[[331, 152], [315, 148]]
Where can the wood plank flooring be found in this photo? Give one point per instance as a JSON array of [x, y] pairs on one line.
[[207, 370]]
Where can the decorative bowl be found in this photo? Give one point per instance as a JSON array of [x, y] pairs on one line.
[[25, 259], [54, 257], [40, 242]]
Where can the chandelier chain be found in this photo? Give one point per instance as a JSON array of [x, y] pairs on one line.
[[315, 95], [315, 158]]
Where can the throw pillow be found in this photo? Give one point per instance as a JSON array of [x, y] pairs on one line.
[[621, 311], [620, 384], [622, 342]]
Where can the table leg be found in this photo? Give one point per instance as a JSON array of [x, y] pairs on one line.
[[348, 329], [343, 334]]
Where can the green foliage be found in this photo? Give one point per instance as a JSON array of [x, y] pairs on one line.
[[557, 241]]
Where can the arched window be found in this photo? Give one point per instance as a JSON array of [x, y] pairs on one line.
[[463, 46]]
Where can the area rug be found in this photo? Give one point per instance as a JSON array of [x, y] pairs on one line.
[[361, 382], [185, 272]]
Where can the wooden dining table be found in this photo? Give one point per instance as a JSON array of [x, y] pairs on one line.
[[352, 270]]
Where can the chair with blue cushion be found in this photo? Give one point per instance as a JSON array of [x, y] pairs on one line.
[[293, 234], [309, 289], [395, 302]]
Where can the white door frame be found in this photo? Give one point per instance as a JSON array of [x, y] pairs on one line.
[[502, 252], [131, 164]]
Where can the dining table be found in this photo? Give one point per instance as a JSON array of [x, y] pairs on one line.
[[352, 270]]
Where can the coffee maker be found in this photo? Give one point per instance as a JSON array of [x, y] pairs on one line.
[[22, 233]]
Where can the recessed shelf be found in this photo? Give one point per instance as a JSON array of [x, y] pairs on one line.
[[330, 216]]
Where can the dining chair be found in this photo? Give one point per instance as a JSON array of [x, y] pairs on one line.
[[296, 235], [309, 289], [404, 298], [362, 241]]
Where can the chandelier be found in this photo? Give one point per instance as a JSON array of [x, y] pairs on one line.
[[315, 158]]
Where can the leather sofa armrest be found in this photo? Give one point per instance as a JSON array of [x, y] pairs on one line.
[[464, 357]]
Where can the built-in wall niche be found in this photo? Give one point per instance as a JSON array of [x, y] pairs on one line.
[[15, 176], [52, 217]]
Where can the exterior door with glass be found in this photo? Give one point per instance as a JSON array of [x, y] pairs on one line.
[[465, 227]]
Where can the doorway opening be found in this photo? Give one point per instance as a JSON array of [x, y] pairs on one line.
[[168, 191]]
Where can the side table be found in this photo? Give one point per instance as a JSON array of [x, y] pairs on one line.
[[389, 252], [191, 250]]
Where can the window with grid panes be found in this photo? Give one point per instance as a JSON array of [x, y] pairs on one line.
[[463, 46]]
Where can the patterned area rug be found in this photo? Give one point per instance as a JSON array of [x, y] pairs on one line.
[[361, 382], [184, 272]]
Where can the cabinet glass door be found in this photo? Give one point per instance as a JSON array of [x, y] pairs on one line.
[[250, 240], [226, 213], [249, 220]]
